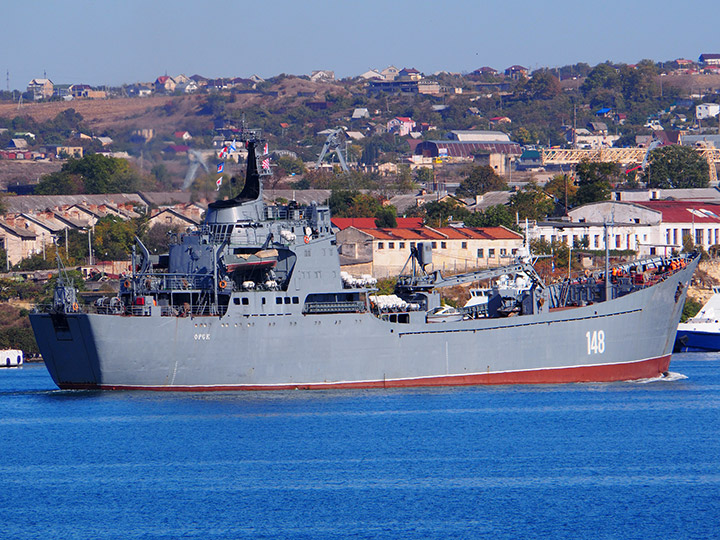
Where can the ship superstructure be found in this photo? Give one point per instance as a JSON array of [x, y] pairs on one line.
[[255, 299]]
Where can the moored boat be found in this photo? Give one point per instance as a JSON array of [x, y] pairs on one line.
[[11, 358], [701, 333]]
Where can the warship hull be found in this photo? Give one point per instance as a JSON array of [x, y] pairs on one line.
[[630, 337]]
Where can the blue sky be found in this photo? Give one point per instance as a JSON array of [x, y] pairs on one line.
[[114, 42]]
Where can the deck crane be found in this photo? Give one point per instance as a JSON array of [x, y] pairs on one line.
[[332, 144]]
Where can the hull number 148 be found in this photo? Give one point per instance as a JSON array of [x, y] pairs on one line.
[[595, 342]]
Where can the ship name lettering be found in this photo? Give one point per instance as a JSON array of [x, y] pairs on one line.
[[595, 342], [202, 337]]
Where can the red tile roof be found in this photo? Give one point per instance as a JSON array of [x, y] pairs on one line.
[[369, 222], [442, 233], [685, 212]]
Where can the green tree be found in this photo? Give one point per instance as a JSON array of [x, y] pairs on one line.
[[603, 76], [93, 173], [531, 202], [114, 238], [424, 175], [364, 206], [386, 217], [340, 201], [494, 216], [404, 182], [290, 165], [439, 213], [162, 175], [542, 86], [675, 166], [561, 187], [479, 180], [595, 180]]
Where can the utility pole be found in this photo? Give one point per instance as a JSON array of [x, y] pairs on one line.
[[574, 126], [607, 262], [90, 258]]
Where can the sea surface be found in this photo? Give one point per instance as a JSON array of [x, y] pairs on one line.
[[620, 460]]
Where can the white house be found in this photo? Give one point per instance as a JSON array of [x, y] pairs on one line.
[[707, 110], [401, 125], [649, 227], [384, 252]]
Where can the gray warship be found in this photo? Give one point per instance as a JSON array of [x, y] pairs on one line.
[[255, 300]]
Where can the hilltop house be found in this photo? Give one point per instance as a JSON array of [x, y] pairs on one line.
[[164, 84], [41, 88]]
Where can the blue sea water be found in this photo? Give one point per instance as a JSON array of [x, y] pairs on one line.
[[621, 460]]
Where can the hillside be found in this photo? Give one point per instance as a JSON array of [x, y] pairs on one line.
[[109, 113], [168, 112], [22, 172]]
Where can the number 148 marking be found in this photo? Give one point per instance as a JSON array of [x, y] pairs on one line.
[[595, 342]]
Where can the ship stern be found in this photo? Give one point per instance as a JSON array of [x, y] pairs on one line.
[[65, 343]]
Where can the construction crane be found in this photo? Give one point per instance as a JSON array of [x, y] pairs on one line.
[[643, 166], [197, 160], [332, 144]]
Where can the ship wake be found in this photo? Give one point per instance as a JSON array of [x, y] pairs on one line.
[[668, 376]]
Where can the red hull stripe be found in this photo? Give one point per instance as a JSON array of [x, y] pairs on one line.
[[643, 369]]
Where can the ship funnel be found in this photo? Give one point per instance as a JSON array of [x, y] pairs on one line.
[[251, 189]]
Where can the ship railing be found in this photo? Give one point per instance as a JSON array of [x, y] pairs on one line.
[[476, 311], [283, 212], [178, 282], [702, 320], [334, 307], [184, 310]]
